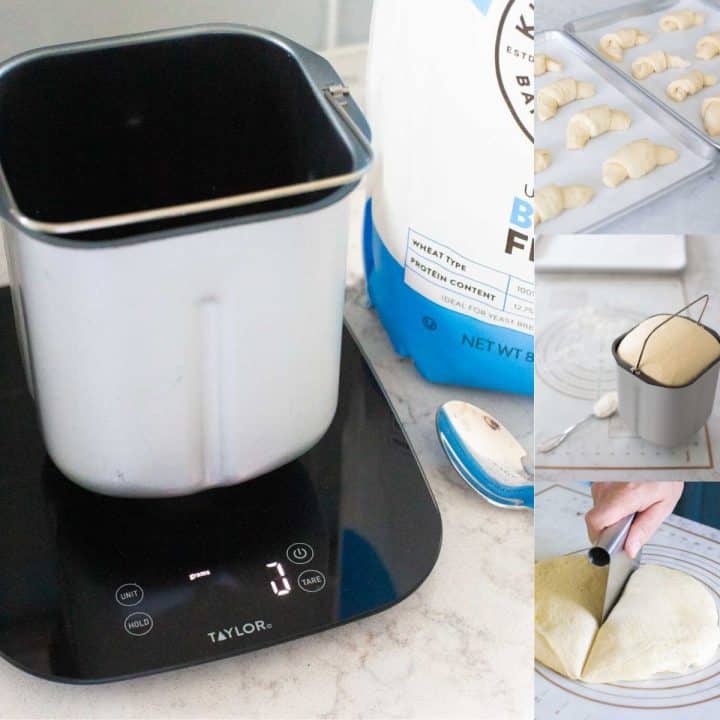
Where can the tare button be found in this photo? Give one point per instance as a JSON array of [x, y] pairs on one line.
[[311, 581], [128, 595], [300, 553]]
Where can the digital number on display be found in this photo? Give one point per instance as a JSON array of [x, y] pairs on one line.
[[280, 584]]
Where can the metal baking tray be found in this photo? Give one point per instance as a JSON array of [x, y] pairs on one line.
[[697, 157], [645, 15]]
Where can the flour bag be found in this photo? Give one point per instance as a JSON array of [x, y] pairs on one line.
[[449, 224]]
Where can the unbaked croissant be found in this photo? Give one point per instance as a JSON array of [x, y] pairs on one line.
[[689, 84], [656, 62], [543, 160], [614, 44], [552, 97], [635, 160], [552, 200], [544, 63], [708, 46], [681, 20], [593, 122], [710, 113]]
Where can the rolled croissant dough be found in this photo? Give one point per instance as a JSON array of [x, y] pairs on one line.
[[664, 622]]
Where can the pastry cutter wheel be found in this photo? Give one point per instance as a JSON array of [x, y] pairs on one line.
[[608, 552]]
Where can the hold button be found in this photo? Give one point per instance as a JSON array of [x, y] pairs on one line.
[[311, 581], [138, 624]]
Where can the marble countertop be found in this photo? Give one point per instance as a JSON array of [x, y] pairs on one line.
[[694, 207], [460, 647]]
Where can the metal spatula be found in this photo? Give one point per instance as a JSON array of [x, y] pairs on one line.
[[609, 552]]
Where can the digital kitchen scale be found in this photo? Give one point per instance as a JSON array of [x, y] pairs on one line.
[[94, 588]]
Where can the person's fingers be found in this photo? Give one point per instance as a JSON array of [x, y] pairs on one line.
[[598, 490], [592, 525], [615, 505], [615, 501], [674, 491], [644, 526]]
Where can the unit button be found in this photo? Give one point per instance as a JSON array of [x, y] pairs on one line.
[[138, 624], [129, 594], [311, 581], [300, 553]]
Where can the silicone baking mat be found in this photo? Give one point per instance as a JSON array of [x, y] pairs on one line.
[[679, 543], [579, 316]]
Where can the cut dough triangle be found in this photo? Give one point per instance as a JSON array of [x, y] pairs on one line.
[[665, 622], [568, 608]]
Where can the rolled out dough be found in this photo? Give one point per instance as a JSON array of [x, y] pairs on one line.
[[568, 609], [676, 354], [664, 622]]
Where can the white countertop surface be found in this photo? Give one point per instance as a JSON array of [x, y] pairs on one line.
[[694, 207], [460, 647]]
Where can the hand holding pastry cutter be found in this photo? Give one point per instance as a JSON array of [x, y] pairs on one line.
[[609, 551]]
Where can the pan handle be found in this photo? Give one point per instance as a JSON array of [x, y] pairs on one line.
[[636, 368], [337, 95]]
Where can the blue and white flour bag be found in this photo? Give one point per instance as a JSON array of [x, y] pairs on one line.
[[449, 224]]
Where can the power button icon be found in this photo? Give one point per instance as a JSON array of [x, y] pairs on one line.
[[300, 553]]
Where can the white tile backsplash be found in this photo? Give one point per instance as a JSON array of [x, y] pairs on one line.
[[354, 21], [28, 24]]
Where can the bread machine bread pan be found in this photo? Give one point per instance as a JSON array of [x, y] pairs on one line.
[[668, 416], [175, 211]]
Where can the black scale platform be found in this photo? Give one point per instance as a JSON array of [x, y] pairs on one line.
[[94, 588]]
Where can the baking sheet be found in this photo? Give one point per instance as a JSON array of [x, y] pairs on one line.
[[679, 543], [615, 254], [579, 316], [646, 16], [585, 166]]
